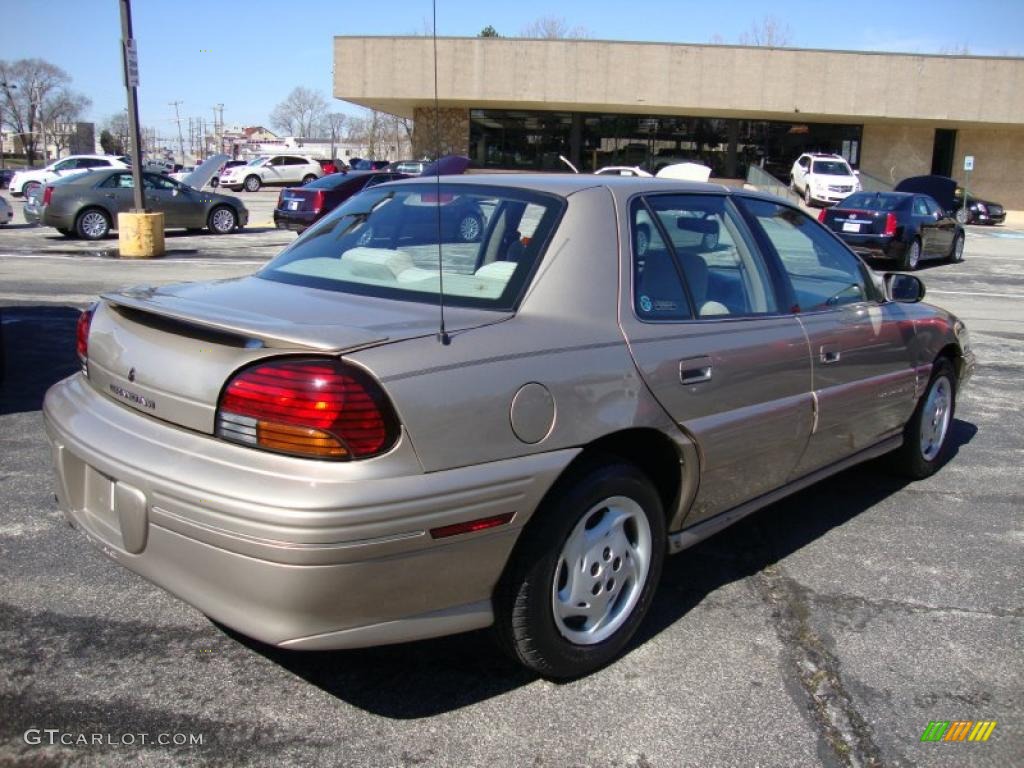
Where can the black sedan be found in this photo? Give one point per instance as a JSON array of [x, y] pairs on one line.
[[901, 226], [301, 207], [951, 197]]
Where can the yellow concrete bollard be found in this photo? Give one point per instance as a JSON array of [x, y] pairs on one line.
[[140, 235]]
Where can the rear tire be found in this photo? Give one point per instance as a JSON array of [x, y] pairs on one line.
[[912, 256], [962, 216], [956, 253], [926, 436], [471, 227], [584, 572], [92, 224], [252, 183]]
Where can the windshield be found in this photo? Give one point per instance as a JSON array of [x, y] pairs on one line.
[[831, 168], [873, 201], [384, 242], [257, 160]]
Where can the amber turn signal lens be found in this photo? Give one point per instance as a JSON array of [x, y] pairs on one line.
[[291, 439]]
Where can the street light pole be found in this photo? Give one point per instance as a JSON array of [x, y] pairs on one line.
[[131, 82]]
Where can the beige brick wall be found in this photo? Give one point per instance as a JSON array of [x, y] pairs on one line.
[[998, 164], [453, 125], [891, 152]]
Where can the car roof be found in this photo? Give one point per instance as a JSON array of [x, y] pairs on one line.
[[565, 184]]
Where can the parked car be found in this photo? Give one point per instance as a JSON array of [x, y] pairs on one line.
[[823, 178], [32, 208], [328, 166], [6, 214], [86, 206], [951, 197], [623, 170], [368, 165], [271, 169], [900, 226], [24, 182], [309, 458], [300, 207], [409, 167], [215, 181]]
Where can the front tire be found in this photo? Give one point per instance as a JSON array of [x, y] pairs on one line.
[[808, 200], [584, 572], [962, 216], [252, 183], [926, 436], [308, 178], [222, 220], [471, 227], [956, 253], [92, 224]]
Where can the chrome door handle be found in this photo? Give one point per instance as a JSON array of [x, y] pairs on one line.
[[695, 370]]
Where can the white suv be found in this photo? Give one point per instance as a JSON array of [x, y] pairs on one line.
[[823, 178], [271, 169], [24, 182]]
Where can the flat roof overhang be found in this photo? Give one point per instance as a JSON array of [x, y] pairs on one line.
[[396, 75]]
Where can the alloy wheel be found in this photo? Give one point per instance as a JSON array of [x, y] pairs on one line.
[[93, 225], [222, 220], [469, 229]]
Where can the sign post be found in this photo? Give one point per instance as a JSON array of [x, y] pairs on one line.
[[131, 81], [968, 167]]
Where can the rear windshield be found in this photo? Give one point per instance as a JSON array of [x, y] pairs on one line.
[[831, 168], [384, 242], [873, 201], [332, 181]]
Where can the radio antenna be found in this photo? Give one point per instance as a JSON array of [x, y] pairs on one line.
[[442, 334]]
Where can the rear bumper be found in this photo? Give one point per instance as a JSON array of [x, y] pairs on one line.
[[294, 220], [51, 218], [291, 552], [875, 246]]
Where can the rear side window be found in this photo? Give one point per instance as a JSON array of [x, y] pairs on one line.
[[384, 242], [920, 206], [724, 274], [822, 273]]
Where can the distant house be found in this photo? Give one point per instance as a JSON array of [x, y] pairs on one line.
[[257, 133]]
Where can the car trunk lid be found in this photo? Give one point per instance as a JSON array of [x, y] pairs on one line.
[[855, 221], [169, 351]]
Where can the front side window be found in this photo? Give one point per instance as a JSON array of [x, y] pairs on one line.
[[65, 165], [822, 273], [119, 181], [152, 181], [724, 273], [384, 243], [256, 161]]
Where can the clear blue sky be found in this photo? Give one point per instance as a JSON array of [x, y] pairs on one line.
[[249, 55]]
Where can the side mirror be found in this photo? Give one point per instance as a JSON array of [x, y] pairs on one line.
[[907, 289], [856, 172]]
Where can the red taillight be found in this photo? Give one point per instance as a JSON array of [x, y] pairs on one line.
[[82, 334], [318, 200], [47, 195], [890, 224], [821, 215], [319, 408]]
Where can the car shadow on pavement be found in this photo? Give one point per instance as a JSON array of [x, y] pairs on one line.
[[37, 349], [431, 677]]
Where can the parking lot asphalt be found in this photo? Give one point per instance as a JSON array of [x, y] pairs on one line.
[[828, 629]]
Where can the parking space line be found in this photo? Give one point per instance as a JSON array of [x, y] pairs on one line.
[[978, 293]]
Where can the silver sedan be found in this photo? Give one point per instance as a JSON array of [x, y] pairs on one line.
[[380, 437]]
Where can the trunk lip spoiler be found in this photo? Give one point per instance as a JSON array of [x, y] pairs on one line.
[[316, 338]]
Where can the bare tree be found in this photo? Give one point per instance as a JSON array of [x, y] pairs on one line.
[[956, 49], [553, 28], [59, 113], [334, 126], [117, 127], [768, 32], [382, 134], [25, 86], [301, 114]]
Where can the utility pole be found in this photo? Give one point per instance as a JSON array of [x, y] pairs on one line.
[[177, 119], [130, 62]]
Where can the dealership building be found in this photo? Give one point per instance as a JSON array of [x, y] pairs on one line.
[[517, 104]]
